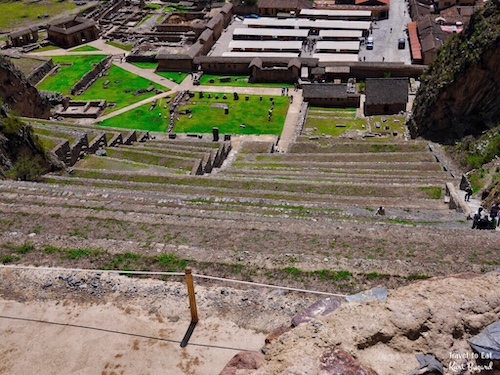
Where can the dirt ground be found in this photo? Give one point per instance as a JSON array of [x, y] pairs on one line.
[[81, 323]]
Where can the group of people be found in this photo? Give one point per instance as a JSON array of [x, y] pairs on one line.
[[483, 220]]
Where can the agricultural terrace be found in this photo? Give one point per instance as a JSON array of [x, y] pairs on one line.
[[71, 69], [247, 115], [335, 122]]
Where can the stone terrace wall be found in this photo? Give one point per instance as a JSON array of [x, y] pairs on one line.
[[97, 143], [40, 72], [79, 87], [78, 148]]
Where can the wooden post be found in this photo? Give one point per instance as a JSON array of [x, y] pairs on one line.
[[192, 297], [192, 306]]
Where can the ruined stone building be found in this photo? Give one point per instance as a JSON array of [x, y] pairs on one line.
[[72, 31]]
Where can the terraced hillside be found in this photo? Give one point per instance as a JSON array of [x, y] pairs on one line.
[[304, 218]]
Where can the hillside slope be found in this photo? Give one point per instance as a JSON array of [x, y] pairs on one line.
[[460, 92]]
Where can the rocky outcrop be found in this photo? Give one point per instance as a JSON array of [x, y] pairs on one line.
[[435, 317], [460, 92], [19, 95], [243, 361]]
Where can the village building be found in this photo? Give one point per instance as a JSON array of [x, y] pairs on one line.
[[23, 37], [385, 96], [72, 31], [271, 8], [328, 95]]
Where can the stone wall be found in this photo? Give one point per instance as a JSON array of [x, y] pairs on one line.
[[130, 138], [97, 143], [79, 148], [454, 200], [40, 71], [90, 77], [116, 140], [63, 152]]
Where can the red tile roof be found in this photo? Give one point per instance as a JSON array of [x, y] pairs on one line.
[[416, 48]]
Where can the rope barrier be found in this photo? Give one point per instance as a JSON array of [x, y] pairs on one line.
[[267, 285], [172, 274]]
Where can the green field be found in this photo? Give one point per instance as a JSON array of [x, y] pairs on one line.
[[141, 118], [126, 47], [72, 69], [252, 113], [332, 121], [177, 77], [84, 49], [145, 65], [213, 80], [23, 13], [120, 89]]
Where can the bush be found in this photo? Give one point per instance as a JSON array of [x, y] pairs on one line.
[[27, 168]]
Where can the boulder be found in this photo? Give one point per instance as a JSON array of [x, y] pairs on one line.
[[320, 308], [338, 361], [244, 361]]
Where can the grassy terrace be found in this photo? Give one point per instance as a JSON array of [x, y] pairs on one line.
[[247, 187], [84, 49], [412, 157], [96, 162], [181, 153], [125, 47], [70, 136], [72, 68], [332, 146], [152, 158], [245, 116]]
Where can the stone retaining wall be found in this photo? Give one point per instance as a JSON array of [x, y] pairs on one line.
[[79, 148], [40, 72], [90, 77], [116, 140], [97, 143], [454, 200], [130, 138]]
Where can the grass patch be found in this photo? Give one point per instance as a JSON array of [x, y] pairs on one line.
[[142, 118], [79, 253], [332, 126], [252, 113], [145, 64], [47, 48], [176, 77], [125, 47], [171, 262], [24, 13], [85, 49], [21, 249], [72, 68], [239, 81], [433, 192], [121, 88]]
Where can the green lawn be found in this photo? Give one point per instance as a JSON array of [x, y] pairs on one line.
[[145, 65], [126, 47], [252, 113], [213, 80], [332, 125], [177, 77], [120, 81], [85, 49], [72, 68], [141, 118], [23, 13]]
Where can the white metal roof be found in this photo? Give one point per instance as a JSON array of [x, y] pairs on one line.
[[259, 54], [339, 46], [272, 32], [266, 44], [335, 13], [336, 57], [340, 34], [306, 23]]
